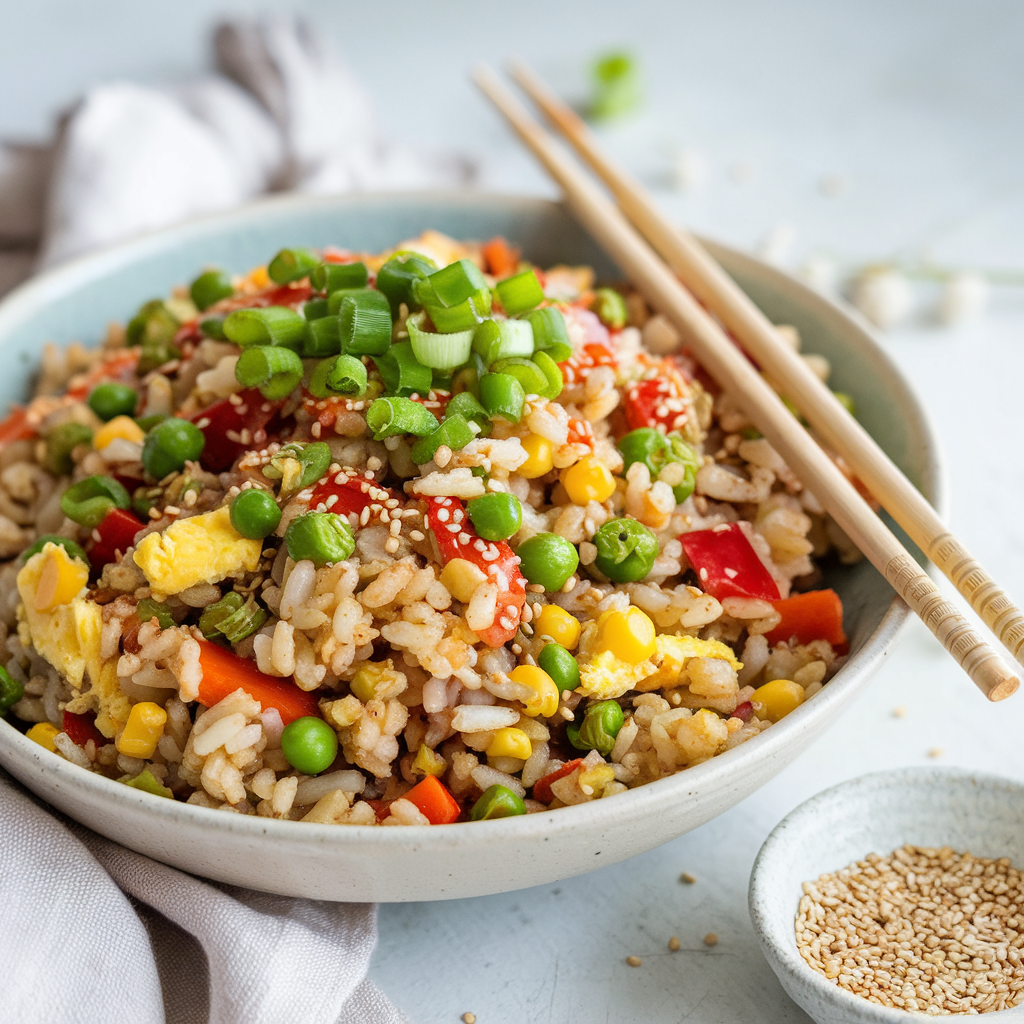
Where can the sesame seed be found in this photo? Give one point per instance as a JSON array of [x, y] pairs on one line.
[[711, 939], [936, 752], [673, 943], [687, 878], [416, 536], [469, 1018], [900, 712], [391, 545], [634, 961]]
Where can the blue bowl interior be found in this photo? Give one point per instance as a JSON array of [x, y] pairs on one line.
[[76, 302]]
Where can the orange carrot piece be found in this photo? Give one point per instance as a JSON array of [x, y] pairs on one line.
[[542, 787], [431, 797], [224, 672], [16, 427], [816, 615], [502, 259]]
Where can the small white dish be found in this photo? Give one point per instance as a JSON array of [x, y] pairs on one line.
[[878, 813]]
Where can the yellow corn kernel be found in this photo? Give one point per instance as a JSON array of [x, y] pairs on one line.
[[43, 734], [558, 624], [461, 578], [541, 457], [143, 730], [545, 694], [593, 780], [778, 698], [60, 579], [628, 635], [120, 426], [510, 742], [377, 680], [588, 480], [259, 278], [428, 762]]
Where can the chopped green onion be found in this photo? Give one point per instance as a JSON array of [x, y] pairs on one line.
[[88, 502], [329, 277], [502, 395], [365, 323], [617, 87], [323, 338], [315, 309], [298, 465], [213, 327], [339, 375], [438, 351], [169, 445], [466, 379], [387, 417], [455, 432], [320, 537], [453, 284], [335, 299], [11, 691], [271, 325], [232, 617], [291, 265], [149, 609], [61, 442], [210, 287], [275, 371], [73, 549], [526, 372], [255, 513], [499, 339], [401, 373], [153, 322], [550, 333], [111, 399], [520, 292], [465, 405], [551, 372], [397, 277], [610, 308]]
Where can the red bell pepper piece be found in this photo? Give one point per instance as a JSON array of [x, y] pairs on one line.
[[662, 402], [816, 615], [351, 494], [223, 424], [501, 258], [116, 535], [456, 538], [224, 672], [17, 426], [82, 728], [542, 787], [435, 401], [434, 800], [579, 365], [727, 564]]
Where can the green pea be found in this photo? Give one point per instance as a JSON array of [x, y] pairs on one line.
[[210, 287], [309, 744], [656, 450], [626, 550], [169, 445], [52, 538], [11, 691], [320, 537], [88, 502], [149, 609], [496, 516], [149, 422], [497, 802], [548, 560], [61, 442], [563, 668], [610, 307], [255, 514], [111, 399], [601, 724]]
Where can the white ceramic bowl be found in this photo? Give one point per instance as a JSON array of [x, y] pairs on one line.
[[359, 863], [877, 813]]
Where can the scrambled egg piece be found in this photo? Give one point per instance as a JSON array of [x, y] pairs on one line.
[[67, 635], [202, 549], [606, 677]]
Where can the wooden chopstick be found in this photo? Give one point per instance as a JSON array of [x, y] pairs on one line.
[[702, 274], [726, 363]]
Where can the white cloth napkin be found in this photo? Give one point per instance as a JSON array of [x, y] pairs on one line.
[[91, 932]]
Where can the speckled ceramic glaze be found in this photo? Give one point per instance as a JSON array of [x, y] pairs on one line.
[[394, 864], [878, 813]]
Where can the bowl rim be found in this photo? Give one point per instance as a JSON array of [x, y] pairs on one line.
[[24, 299], [774, 940]]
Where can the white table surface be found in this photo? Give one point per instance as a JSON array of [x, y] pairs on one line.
[[916, 107]]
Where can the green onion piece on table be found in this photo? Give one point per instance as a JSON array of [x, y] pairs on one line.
[[465, 405], [169, 445], [438, 351], [497, 801], [550, 333], [455, 433], [73, 549], [617, 87], [496, 516], [61, 442], [388, 417], [88, 502], [548, 560], [275, 371], [502, 395], [365, 323], [626, 550], [560, 664], [232, 617], [11, 691], [111, 399], [209, 287], [520, 292], [320, 537], [329, 277], [401, 373], [271, 325], [292, 265], [610, 308], [149, 609], [254, 513], [397, 277]]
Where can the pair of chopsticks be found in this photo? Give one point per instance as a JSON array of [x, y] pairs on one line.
[[683, 259]]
